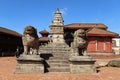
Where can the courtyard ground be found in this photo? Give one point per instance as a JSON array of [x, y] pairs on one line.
[[8, 66]]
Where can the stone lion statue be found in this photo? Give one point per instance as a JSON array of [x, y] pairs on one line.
[[30, 40], [79, 44]]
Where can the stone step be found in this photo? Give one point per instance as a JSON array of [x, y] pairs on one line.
[[62, 56], [56, 47], [54, 56], [50, 51], [59, 58], [59, 69], [57, 61], [58, 65], [60, 52], [58, 72], [53, 52]]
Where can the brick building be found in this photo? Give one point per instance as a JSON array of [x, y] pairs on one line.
[[99, 38]]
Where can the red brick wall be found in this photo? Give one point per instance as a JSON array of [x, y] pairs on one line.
[[91, 44], [109, 45], [100, 44]]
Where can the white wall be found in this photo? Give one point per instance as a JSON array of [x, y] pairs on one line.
[[116, 48], [117, 41]]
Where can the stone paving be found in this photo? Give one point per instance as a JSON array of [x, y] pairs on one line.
[[8, 66]]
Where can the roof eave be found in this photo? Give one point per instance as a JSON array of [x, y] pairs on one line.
[[106, 35]]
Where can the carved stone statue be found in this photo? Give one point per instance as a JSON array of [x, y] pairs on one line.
[[79, 43], [30, 40]]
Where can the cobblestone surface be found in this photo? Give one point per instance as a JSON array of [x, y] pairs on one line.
[[8, 65]]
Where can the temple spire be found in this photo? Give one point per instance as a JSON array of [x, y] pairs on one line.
[[58, 20], [57, 10], [57, 28]]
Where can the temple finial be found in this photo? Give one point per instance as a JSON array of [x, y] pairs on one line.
[[57, 11], [58, 20]]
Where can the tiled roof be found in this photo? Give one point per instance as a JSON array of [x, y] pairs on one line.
[[97, 31], [42, 39], [9, 32], [44, 32], [84, 26]]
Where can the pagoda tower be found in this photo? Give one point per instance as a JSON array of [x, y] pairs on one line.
[[57, 28]]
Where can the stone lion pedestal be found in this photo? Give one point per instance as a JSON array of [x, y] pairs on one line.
[[27, 64], [82, 64], [30, 61], [78, 63]]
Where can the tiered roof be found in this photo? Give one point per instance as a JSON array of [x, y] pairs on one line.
[[44, 39], [44, 32]]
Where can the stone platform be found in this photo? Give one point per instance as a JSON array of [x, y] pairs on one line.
[[82, 64], [28, 64]]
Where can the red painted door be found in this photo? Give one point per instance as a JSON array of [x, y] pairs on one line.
[[100, 44]]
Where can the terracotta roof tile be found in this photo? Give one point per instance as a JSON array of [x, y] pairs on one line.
[[44, 32], [101, 32], [84, 26]]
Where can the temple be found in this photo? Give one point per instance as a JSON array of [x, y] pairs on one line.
[[99, 38], [65, 49]]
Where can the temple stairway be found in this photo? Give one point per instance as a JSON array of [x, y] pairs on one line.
[[56, 57]]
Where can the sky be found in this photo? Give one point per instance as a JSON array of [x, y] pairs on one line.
[[17, 14]]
